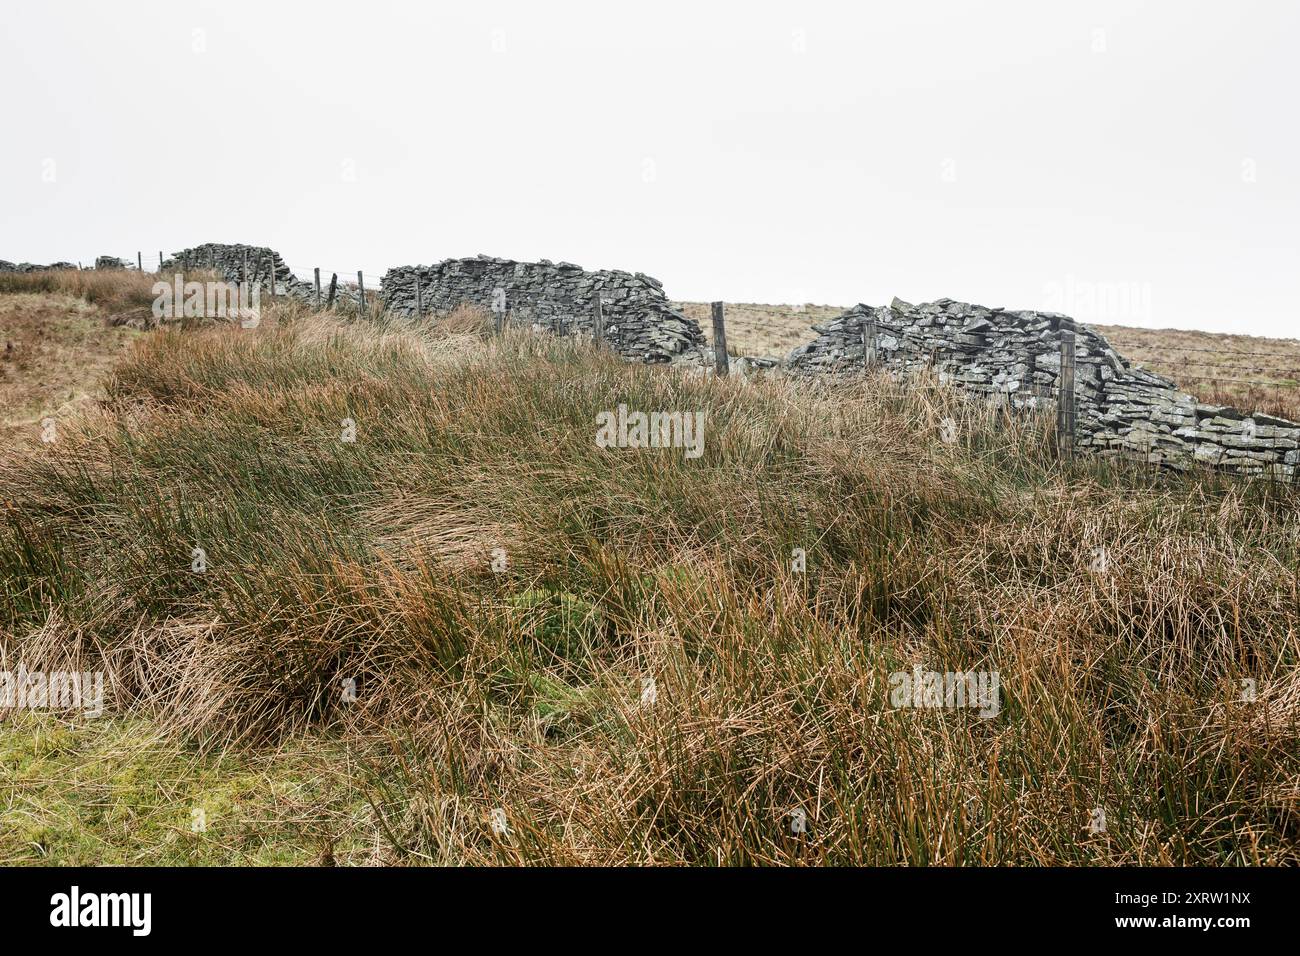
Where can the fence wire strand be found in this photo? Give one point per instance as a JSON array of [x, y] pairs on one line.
[[348, 277]]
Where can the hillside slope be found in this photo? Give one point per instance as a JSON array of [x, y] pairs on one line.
[[526, 647], [55, 351]]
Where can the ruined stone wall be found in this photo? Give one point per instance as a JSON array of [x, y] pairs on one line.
[[556, 296], [227, 260], [7, 266], [1122, 410]]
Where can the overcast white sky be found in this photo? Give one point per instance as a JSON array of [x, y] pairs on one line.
[[1126, 162]]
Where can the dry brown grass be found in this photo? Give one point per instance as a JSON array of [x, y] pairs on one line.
[[55, 351], [112, 290], [763, 330], [465, 319], [520, 690]]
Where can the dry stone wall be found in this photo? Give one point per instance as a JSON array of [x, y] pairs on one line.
[[236, 263], [558, 297], [1122, 410]]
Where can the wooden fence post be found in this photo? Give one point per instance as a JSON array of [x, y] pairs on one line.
[[334, 288], [139, 261], [160, 262], [419, 298], [318, 288], [361, 295], [869, 355], [1065, 410], [721, 363], [598, 323]]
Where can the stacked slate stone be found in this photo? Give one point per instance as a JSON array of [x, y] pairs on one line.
[[558, 297], [227, 261], [110, 262], [1121, 410], [6, 266]]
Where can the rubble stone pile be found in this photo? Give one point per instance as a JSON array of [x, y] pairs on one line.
[[6, 266], [1122, 410]]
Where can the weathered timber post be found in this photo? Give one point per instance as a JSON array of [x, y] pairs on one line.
[[721, 363], [139, 261], [598, 323], [869, 354], [498, 310], [361, 295], [334, 288], [318, 288], [1065, 410]]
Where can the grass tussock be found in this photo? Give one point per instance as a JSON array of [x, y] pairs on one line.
[[465, 319], [612, 650], [113, 290]]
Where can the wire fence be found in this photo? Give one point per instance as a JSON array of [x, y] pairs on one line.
[[1192, 370], [1184, 368], [1280, 376], [140, 261]]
